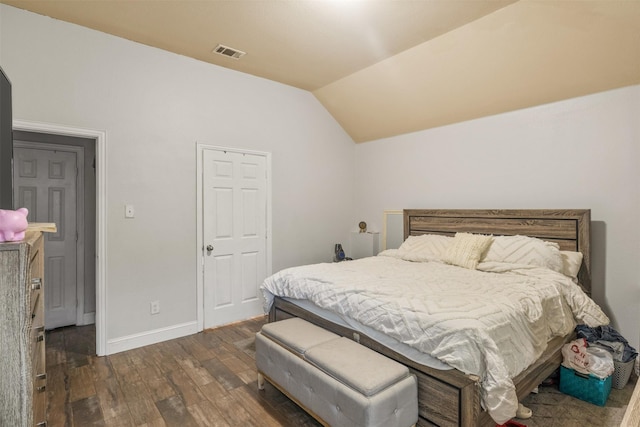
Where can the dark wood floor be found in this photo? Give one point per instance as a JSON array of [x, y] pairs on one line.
[[209, 379]]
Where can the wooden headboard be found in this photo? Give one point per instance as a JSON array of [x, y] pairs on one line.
[[570, 228]]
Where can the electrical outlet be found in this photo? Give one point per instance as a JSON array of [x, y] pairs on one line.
[[155, 307]]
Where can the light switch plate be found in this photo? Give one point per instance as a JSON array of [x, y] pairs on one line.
[[129, 212]]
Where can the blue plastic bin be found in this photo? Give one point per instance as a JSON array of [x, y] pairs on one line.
[[585, 387]]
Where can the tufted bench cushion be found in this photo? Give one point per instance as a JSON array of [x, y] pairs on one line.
[[297, 335], [339, 382], [358, 367]]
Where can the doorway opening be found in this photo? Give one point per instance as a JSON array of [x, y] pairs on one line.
[[87, 149], [54, 177]]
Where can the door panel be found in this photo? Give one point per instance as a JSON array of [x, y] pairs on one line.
[[45, 183], [234, 225]]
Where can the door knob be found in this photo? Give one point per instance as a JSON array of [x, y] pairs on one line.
[[209, 248]]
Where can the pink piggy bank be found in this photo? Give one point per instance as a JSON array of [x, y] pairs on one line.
[[13, 225]]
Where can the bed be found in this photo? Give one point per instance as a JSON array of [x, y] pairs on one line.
[[449, 397]]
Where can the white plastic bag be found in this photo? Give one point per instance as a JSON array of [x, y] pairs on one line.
[[575, 356], [600, 362], [587, 360]]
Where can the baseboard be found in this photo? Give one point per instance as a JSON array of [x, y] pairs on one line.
[[150, 337]]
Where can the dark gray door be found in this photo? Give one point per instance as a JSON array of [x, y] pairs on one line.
[[45, 182]]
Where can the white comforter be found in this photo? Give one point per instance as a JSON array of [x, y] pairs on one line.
[[492, 322]]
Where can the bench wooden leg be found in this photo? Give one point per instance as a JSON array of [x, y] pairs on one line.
[[260, 381]]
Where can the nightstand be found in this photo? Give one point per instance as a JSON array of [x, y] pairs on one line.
[[364, 244]]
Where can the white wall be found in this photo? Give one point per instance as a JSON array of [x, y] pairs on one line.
[[580, 153], [154, 107]]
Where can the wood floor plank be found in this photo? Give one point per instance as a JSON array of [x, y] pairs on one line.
[[222, 374], [175, 413], [185, 387], [101, 368], [194, 369], [244, 351], [81, 383], [112, 399], [254, 407], [139, 357], [146, 364], [175, 349], [207, 414], [62, 415], [55, 349], [249, 376], [226, 350], [87, 412], [124, 370], [195, 349], [236, 365], [156, 422], [123, 420], [141, 405], [159, 388], [213, 391], [161, 355], [234, 412], [207, 339]]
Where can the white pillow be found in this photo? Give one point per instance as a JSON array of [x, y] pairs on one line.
[[571, 263], [466, 249], [426, 246], [525, 250]]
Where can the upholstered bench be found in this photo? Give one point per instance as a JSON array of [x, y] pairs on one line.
[[337, 381]]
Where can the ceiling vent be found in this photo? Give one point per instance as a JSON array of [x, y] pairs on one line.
[[228, 51]]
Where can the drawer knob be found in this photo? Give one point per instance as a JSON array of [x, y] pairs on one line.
[[41, 388], [41, 376], [42, 424], [36, 283]]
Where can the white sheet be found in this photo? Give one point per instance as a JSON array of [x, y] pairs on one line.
[[492, 323]]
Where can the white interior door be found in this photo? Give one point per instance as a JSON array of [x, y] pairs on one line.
[[234, 234], [45, 183]]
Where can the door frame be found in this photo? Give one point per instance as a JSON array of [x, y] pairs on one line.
[[200, 149], [79, 151], [101, 213]]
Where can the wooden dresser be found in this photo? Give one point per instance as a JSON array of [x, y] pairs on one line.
[[23, 399]]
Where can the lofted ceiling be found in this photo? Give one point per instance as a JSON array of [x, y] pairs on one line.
[[388, 67]]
